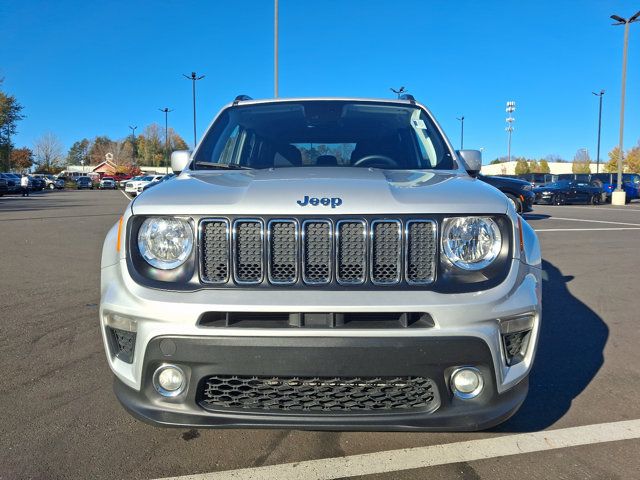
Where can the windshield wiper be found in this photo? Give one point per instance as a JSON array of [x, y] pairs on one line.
[[222, 166]]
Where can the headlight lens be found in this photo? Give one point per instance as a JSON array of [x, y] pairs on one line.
[[165, 242], [471, 243]]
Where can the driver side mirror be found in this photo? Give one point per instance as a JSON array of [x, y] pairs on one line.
[[472, 160], [180, 160]]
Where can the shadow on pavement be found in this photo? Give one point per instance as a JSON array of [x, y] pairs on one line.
[[570, 353]]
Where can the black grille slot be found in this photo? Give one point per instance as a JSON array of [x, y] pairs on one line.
[[318, 394], [123, 344], [421, 251], [248, 251], [386, 252], [316, 263], [515, 346], [215, 251], [352, 252], [283, 252]]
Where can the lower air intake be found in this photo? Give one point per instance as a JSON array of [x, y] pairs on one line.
[[123, 343], [318, 394]]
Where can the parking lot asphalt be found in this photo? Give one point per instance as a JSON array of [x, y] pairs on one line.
[[60, 418]]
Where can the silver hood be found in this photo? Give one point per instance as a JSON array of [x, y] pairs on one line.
[[281, 191]]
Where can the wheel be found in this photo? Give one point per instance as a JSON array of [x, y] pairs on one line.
[[515, 201], [595, 199], [558, 199], [52, 186]]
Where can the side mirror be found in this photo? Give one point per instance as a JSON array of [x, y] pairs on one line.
[[472, 160], [180, 160]]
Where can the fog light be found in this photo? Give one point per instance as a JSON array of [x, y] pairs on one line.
[[169, 380], [466, 382]]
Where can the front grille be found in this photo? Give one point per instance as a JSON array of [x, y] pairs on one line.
[[317, 394], [291, 251]]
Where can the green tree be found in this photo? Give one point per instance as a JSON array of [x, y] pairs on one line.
[[79, 153], [544, 166], [100, 146], [10, 115], [581, 162], [522, 166]]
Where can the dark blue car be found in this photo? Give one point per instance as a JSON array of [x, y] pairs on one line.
[[568, 191], [608, 183]]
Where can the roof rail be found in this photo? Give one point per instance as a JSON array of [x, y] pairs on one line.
[[241, 98], [407, 96]]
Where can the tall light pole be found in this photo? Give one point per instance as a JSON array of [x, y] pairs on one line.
[[618, 196], [166, 111], [399, 92], [511, 107], [599, 128], [275, 49], [194, 78], [133, 144], [461, 119]]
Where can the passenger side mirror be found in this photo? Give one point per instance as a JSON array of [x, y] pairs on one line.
[[472, 160], [180, 160]]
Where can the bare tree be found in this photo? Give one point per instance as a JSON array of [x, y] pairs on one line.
[[48, 153]]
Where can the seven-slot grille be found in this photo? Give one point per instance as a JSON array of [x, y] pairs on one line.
[[317, 251]]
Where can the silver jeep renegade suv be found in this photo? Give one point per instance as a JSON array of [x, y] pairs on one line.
[[323, 264]]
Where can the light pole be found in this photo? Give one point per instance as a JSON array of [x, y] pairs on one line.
[[194, 78], [133, 144], [166, 111], [618, 196], [275, 49], [511, 107], [599, 128], [461, 119], [399, 92]]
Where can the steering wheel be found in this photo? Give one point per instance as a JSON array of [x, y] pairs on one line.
[[376, 159]]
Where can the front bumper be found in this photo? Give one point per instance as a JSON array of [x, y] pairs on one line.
[[200, 357]]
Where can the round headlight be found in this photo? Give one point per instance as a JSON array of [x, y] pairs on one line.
[[471, 243], [165, 242]]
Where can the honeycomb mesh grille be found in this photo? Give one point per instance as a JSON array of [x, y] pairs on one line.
[[283, 252], [421, 252], [385, 266], [351, 252], [215, 252], [515, 346], [317, 394], [249, 254], [123, 344], [317, 252]]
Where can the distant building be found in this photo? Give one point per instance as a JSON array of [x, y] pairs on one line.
[[509, 168]]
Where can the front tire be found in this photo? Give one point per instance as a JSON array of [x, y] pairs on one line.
[[517, 204], [558, 199], [595, 199]]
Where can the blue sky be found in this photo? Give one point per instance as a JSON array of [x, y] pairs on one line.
[[83, 69]]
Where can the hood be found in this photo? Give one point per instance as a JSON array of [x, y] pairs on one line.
[[320, 191]]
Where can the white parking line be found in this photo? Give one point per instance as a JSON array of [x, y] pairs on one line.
[[421, 457], [593, 221], [125, 195], [611, 229]]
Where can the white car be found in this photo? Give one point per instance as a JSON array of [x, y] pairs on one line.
[[134, 187], [107, 183], [330, 264]]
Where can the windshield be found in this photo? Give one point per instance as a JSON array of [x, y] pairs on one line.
[[560, 184], [324, 134], [631, 177]]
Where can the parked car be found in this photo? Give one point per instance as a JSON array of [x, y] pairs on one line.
[[169, 176], [568, 191], [107, 183], [517, 191], [373, 286], [3, 186], [122, 183], [536, 179], [51, 182], [609, 181], [13, 183], [84, 182], [37, 183], [134, 187]]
